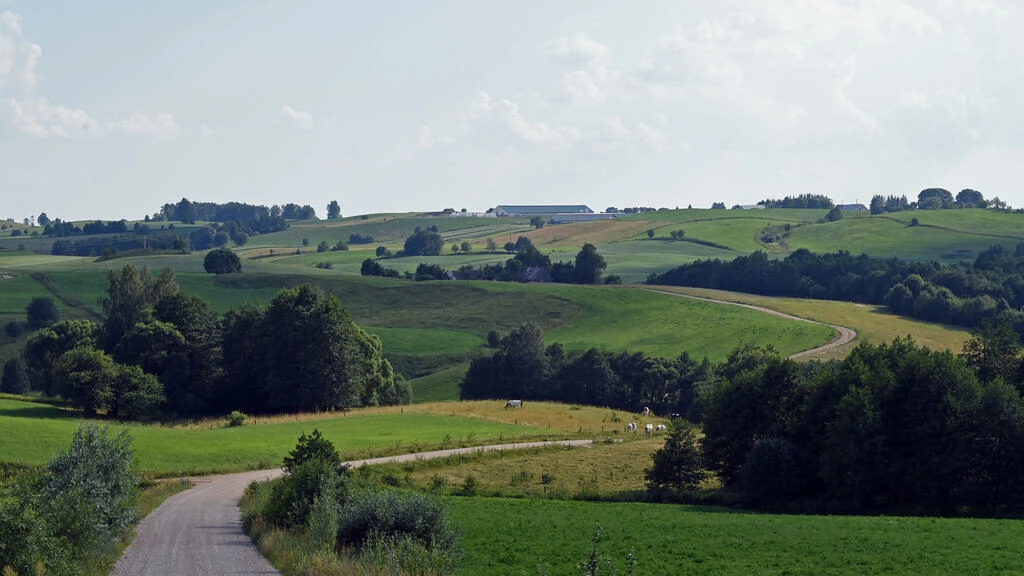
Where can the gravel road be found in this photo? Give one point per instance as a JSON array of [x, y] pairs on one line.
[[198, 532]]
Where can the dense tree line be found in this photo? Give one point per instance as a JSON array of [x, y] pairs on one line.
[[160, 351], [109, 245], [801, 201], [992, 287], [892, 428], [190, 212], [523, 367]]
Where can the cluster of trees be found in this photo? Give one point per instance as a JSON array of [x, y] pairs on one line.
[[892, 428], [190, 212], [523, 367], [424, 242], [965, 293], [65, 519], [160, 351], [632, 210], [933, 199], [801, 201], [356, 238]]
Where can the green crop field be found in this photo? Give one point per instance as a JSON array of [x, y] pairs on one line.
[[679, 540]]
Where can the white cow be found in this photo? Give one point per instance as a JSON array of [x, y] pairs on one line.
[[646, 411], [648, 428], [514, 404], [660, 428], [631, 427]]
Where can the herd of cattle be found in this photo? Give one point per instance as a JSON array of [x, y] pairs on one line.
[[631, 427]]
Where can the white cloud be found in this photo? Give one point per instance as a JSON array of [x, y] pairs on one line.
[[301, 120], [555, 136], [860, 120], [655, 139], [480, 107], [38, 117], [591, 79], [160, 125], [426, 139], [976, 8], [911, 98]]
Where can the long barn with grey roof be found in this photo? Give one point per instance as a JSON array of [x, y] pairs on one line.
[[506, 210]]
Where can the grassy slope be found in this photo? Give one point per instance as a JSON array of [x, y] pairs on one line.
[[457, 314]]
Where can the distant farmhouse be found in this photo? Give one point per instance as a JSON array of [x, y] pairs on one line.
[[506, 211], [852, 207]]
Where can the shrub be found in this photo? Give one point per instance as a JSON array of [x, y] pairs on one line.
[[292, 497], [396, 520], [236, 418], [679, 463], [312, 447], [89, 492]]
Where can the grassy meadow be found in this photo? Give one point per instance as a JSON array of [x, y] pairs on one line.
[[32, 433], [680, 540]]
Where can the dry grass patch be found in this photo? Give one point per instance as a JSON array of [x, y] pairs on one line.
[[603, 469]]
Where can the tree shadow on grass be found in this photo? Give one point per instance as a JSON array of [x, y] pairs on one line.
[[38, 411]]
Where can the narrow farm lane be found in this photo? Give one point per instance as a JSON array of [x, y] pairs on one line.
[[844, 334], [199, 531]]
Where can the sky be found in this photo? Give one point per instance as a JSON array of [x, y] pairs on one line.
[[110, 109]]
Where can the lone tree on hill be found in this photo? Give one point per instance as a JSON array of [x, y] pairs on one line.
[[333, 210], [222, 261], [589, 265]]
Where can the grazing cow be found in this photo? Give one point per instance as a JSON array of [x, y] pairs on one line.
[[631, 427], [646, 411], [660, 428], [648, 428], [514, 404]]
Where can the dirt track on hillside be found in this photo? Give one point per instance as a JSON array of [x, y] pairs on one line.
[[845, 335], [198, 532]]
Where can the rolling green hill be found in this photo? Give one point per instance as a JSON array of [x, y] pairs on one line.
[[429, 327]]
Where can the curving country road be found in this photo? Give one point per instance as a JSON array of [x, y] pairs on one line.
[[845, 334], [198, 532]]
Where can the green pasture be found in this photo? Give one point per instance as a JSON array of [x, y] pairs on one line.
[[888, 236], [512, 537], [622, 318], [441, 386], [634, 260], [873, 324], [33, 433]]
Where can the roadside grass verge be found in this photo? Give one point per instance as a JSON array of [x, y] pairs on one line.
[[511, 537]]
